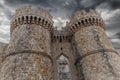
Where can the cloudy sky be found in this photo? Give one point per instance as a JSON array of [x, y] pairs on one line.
[[61, 10]]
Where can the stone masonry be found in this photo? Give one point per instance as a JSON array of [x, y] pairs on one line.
[[36, 46]]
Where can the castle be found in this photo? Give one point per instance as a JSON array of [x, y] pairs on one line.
[[38, 51]]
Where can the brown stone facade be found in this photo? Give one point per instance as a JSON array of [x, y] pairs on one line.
[[37, 51]]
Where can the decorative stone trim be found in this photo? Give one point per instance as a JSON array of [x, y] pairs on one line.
[[94, 52], [86, 22], [82, 19], [31, 20], [27, 51]]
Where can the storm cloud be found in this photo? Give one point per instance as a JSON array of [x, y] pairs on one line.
[[61, 10]]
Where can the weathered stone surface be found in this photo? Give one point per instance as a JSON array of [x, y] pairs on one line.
[[99, 60], [3, 47], [26, 67], [63, 48], [91, 38], [27, 56], [30, 37]]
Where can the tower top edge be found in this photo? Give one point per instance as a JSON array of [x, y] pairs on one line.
[[84, 13], [30, 11]]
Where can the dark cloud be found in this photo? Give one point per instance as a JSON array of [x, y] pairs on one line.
[[117, 35], [90, 4], [114, 23], [29, 2], [58, 6], [114, 4]]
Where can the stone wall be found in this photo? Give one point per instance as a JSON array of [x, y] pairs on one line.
[[63, 48], [30, 37], [3, 48], [98, 59], [28, 55], [26, 66]]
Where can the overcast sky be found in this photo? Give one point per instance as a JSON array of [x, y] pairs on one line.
[[61, 10]]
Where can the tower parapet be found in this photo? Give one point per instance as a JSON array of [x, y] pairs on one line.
[[93, 47], [60, 35], [29, 46], [83, 18], [27, 15]]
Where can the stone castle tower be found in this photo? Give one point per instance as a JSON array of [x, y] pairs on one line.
[[37, 51]]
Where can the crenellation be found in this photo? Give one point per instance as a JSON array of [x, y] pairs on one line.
[[60, 35], [83, 18], [27, 15], [31, 20], [28, 10]]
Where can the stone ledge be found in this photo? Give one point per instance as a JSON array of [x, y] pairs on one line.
[[27, 51], [94, 52]]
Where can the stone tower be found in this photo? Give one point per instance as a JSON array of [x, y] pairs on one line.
[[28, 52], [38, 51], [96, 58]]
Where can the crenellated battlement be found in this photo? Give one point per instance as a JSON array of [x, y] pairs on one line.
[[39, 16], [60, 35], [27, 15], [78, 20], [82, 19]]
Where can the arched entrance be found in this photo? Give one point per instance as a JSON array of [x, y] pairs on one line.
[[63, 68]]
